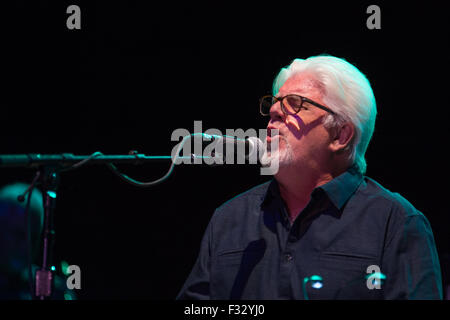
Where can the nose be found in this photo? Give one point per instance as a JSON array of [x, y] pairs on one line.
[[275, 112]]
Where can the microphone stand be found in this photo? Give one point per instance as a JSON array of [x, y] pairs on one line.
[[49, 169]]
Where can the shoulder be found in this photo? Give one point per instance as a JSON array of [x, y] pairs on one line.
[[380, 198], [234, 218], [397, 214], [252, 196], [247, 203]]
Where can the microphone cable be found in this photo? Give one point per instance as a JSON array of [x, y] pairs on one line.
[[132, 181]]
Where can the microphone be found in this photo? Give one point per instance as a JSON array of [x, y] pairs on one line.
[[253, 148], [256, 147]]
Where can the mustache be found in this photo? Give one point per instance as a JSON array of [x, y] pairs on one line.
[[280, 137]]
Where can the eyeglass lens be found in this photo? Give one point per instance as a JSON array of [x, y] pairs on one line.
[[291, 104]]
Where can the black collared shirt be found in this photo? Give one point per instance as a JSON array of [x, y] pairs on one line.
[[351, 227]]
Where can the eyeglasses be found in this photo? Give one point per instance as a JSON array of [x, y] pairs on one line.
[[290, 104]]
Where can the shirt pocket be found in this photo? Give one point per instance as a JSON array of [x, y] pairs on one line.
[[238, 256], [230, 257], [233, 272], [344, 275], [348, 259]]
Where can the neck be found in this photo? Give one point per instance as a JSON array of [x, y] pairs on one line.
[[296, 187]]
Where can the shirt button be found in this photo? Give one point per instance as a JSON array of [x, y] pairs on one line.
[[288, 257]]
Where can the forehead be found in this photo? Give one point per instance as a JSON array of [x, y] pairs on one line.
[[301, 83]]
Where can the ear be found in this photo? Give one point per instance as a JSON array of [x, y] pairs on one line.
[[342, 137]]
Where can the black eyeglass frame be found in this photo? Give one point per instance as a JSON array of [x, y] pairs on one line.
[[303, 99]]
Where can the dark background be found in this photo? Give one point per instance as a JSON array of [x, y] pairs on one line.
[[134, 73]]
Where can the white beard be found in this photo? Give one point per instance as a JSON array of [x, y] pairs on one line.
[[284, 157]]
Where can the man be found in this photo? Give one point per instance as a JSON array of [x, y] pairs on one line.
[[320, 228]]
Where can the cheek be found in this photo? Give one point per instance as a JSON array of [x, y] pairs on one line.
[[294, 122], [314, 142]]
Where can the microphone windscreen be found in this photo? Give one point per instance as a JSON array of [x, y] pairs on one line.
[[256, 148]]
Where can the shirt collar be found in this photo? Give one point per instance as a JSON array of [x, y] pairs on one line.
[[338, 190], [272, 191], [341, 188]]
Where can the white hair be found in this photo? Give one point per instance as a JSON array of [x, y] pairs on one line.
[[347, 92]]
